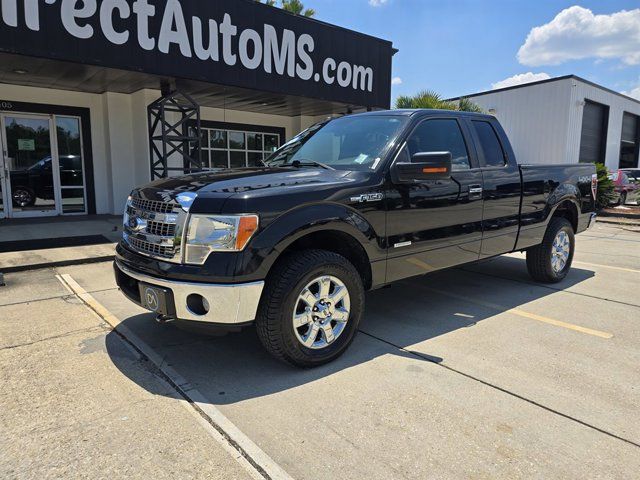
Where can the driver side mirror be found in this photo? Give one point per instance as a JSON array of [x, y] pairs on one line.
[[423, 166]]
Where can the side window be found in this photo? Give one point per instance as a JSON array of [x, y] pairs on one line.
[[441, 135], [624, 179], [493, 154]]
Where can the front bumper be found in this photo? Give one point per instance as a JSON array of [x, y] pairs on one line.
[[231, 304]]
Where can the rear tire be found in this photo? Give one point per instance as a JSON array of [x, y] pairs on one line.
[[322, 293], [550, 261]]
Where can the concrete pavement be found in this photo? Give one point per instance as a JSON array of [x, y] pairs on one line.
[[475, 372], [68, 413]]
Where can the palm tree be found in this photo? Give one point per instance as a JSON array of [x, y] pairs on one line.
[[294, 6], [431, 99]]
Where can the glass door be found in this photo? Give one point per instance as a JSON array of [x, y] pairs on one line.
[[3, 174], [31, 176]]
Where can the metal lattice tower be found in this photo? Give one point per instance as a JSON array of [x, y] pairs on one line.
[[174, 133]]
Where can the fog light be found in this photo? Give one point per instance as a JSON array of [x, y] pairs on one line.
[[197, 304]]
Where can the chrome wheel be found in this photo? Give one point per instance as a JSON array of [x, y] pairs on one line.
[[560, 251], [22, 197], [321, 312]]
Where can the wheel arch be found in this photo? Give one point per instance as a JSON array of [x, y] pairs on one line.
[[332, 227], [568, 209], [336, 241]]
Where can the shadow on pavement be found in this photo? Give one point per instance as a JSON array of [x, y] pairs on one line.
[[235, 367]]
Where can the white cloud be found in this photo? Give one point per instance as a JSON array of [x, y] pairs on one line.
[[576, 33], [377, 3], [519, 79], [396, 81], [634, 92]]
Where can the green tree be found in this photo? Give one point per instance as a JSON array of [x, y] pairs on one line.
[[431, 99], [605, 195], [293, 6]]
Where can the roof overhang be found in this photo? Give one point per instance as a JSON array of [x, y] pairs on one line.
[[257, 57]]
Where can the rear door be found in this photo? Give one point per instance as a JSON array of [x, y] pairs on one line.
[[436, 223], [502, 188]]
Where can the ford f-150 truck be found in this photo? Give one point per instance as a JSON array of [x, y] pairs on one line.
[[348, 205]]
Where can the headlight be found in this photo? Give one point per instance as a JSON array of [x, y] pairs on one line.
[[125, 216], [217, 233]]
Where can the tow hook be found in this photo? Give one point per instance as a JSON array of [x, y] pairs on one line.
[[164, 319]]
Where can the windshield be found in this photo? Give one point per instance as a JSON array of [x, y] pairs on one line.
[[347, 143]]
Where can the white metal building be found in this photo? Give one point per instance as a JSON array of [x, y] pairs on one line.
[[567, 120]]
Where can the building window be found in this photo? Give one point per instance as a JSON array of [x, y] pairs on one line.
[[629, 141], [70, 157], [232, 148]]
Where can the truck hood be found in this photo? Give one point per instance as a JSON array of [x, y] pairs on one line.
[[213, 188]]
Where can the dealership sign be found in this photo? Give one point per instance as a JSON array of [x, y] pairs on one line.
[[230, 42]]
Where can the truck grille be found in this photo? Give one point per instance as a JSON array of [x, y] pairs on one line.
[[161, 229], [151, 248], [152, 205], [154, 228]]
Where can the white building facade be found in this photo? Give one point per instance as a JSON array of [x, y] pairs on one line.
[[77, 79], [567, 120]]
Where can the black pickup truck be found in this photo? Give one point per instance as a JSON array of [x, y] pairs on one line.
[[348, 205]]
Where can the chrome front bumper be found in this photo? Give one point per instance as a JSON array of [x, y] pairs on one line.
[[229, 304]]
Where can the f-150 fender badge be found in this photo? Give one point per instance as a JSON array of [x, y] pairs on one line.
[[368, 197]]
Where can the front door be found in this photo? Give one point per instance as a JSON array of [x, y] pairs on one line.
[[29, 169], [437, 223]]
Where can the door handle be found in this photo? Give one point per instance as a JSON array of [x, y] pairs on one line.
[[475, 190]]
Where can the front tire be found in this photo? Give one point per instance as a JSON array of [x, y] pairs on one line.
[[23, 197], [311, 308], [550, 261]]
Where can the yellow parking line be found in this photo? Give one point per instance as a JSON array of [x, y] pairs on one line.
[[230, 437], [522, 313], [622, 269], [88, 299]]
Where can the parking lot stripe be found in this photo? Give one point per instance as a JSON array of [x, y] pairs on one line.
[[438, 362], [255, 461], [522, 313], [547, 286], [611, 267]]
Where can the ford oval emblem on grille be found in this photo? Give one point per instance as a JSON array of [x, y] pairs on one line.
[[137, 224]]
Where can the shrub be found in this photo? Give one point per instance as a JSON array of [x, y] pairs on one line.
[[605, 195]]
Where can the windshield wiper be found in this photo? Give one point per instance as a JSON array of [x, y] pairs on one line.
[[310, 163]]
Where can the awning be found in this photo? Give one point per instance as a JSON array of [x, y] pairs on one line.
[[237, 54]]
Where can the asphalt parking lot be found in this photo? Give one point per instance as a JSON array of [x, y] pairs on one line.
[[475, 372]]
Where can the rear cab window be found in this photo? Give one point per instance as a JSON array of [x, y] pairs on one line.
[[491, 152]]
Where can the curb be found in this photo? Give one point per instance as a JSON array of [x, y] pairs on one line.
[[614, 221], [62, 263]]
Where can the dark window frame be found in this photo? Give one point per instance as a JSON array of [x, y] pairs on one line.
[[605, 129], [242, 127], [637, 149], [87, 147]]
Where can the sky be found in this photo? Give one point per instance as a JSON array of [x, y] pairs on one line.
[[459, 47]]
